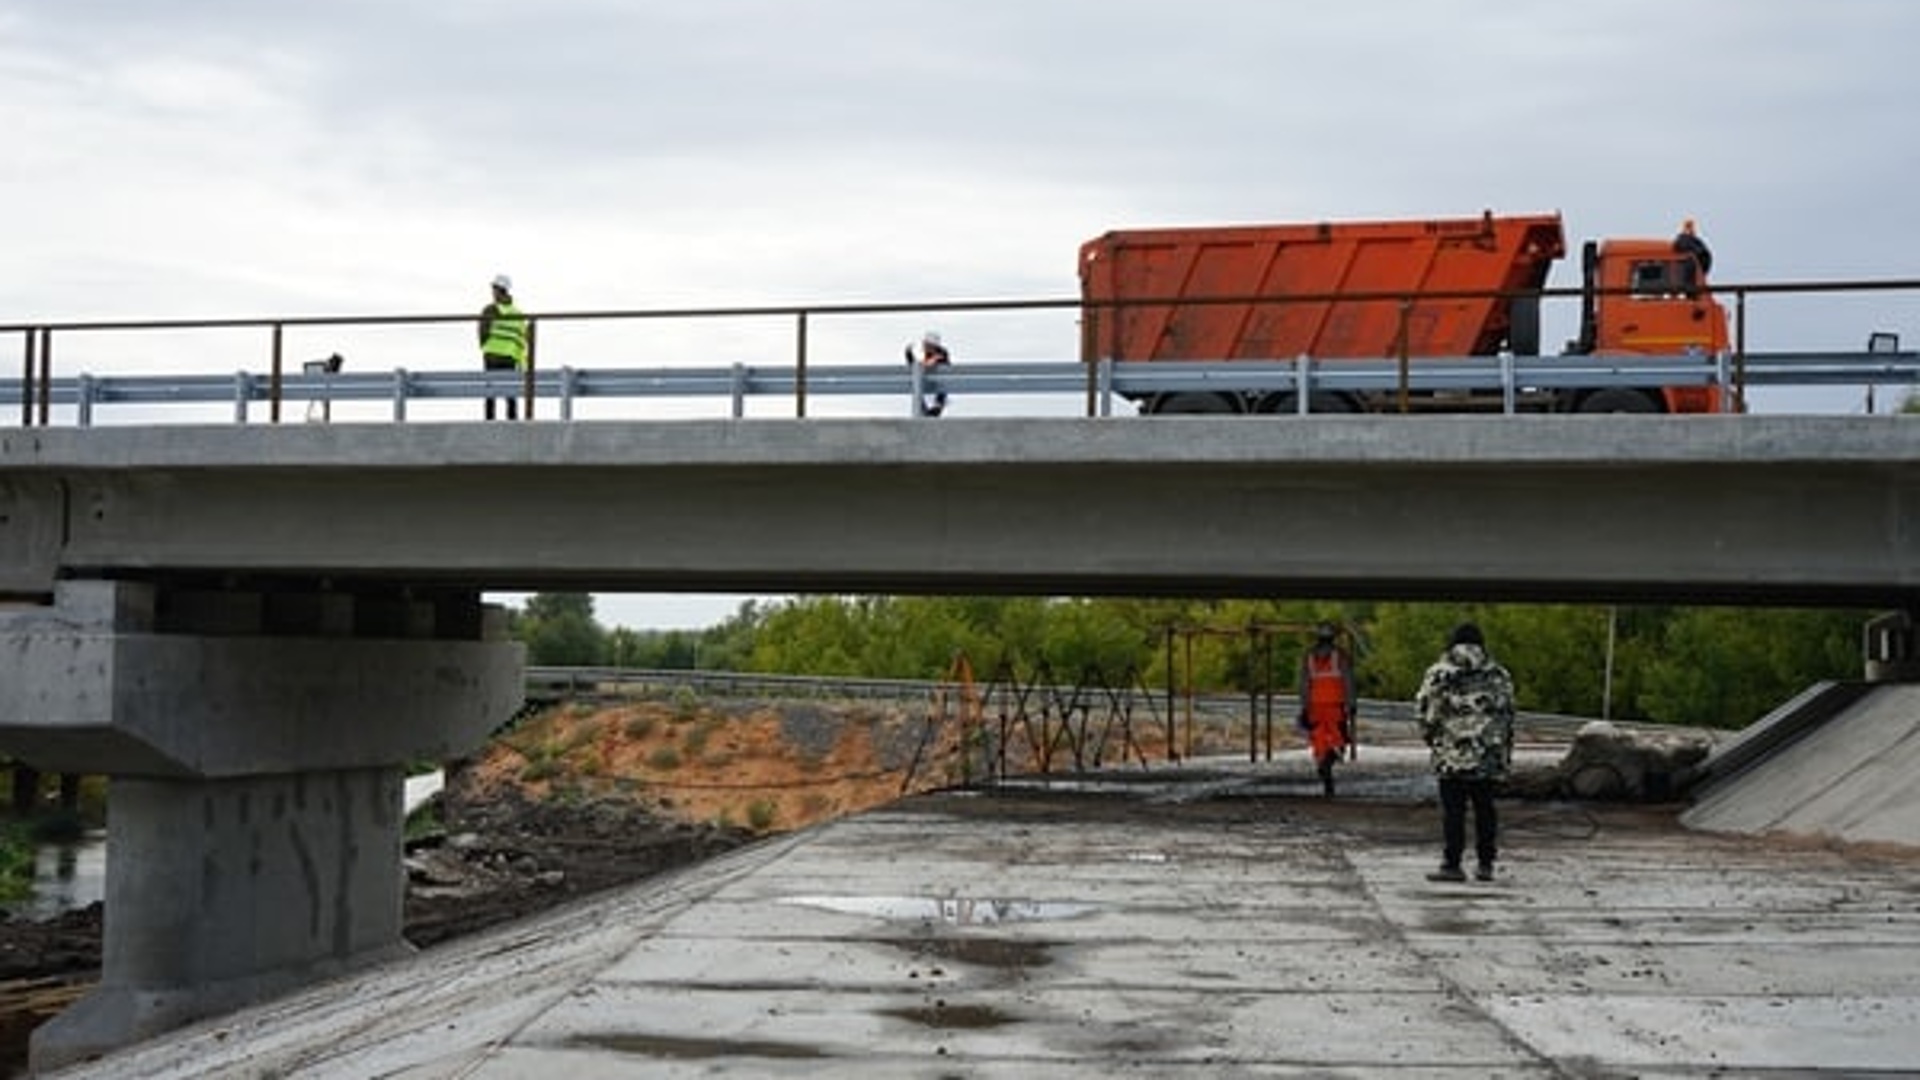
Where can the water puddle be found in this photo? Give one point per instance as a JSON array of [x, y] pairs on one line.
[[949, 911], [987, 952], [953, 1017], [690, 1049]]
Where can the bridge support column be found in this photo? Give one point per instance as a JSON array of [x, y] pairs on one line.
[[1891, 652], [255, 746]]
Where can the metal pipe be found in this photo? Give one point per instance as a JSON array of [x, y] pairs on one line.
[[1740, 350], [1406, 360], [46, 375], [800, 364], [526, 373], [273, 376], [26, 380]]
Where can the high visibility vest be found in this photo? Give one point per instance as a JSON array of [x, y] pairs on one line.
[[1326, 689], [507, 335]]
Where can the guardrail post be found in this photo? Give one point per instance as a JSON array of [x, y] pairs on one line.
[[399, 395], [83, 405], [567, 377], [46, 375], [273, 377], [1508, 397], [1302, 383], [800, 364], [26, 380], [241, 387], [1722, 369], [1103, 380], [1406, 359], [1740, 350], [737, 386], [526, 373]]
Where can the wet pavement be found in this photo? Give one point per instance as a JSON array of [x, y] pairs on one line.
[[1224, 922]]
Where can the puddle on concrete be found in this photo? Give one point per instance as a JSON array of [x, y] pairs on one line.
[[1005, 954], [950, 911], [688, 1049], [953, 1017]]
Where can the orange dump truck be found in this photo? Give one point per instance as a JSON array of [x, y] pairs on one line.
[[1429, 290]]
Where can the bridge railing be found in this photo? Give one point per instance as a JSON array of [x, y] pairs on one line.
[[250, 396], [255, 393]]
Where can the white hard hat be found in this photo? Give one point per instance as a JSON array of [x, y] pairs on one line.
[[503, 282], [931, 337]]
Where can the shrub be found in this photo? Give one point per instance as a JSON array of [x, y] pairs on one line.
[[16, 862]]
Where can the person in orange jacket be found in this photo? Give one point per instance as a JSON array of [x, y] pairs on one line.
[[1327, 702]]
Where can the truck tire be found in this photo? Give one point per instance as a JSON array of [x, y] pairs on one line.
[[1619, 399], [1192, 404]]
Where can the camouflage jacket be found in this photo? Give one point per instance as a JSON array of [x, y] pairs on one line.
[[1465, 705]]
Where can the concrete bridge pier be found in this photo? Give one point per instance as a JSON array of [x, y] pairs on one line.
[[1891, 651], [255, 744]]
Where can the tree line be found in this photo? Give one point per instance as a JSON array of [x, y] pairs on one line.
[[1693, 666]]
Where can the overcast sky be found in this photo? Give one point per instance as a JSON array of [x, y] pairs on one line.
[[257, 158]]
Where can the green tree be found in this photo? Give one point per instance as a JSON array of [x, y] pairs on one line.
[[1728, 667], [559, 628]]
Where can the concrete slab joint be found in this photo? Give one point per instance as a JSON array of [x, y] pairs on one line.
[[256, 745]]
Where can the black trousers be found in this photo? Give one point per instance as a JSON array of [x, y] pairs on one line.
[[502, 363], [1455, 793]]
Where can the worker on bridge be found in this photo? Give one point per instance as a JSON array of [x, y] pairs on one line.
[[1327, 702], [1688, 242], [933, 358], [503, 338]]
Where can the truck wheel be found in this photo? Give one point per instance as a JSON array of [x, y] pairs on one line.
[[1195, 404], [1618, 400]]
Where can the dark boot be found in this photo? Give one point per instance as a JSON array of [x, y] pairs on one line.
[[1448, 872]]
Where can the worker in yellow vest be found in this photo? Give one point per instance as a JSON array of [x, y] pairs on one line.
[[503, 337]]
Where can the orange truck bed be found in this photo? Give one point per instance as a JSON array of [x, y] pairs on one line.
[[1211, 273]]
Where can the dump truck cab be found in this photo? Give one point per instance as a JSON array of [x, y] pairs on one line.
[[1650, 298]]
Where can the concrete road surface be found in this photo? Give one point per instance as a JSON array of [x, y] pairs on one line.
[[1208, 924]]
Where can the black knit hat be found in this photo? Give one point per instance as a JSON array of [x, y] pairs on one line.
[[1467, 634]]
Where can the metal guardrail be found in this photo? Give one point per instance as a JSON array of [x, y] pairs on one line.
[[551, 683], [320, 383], [1513, 378]]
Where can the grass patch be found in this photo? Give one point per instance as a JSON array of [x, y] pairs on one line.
[[695, 742], [686, 703], [664, 758], [760, 814]]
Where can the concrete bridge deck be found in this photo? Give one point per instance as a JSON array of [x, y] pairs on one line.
[[1205, 924]]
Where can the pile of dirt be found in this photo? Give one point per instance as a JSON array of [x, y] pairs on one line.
[[505, 854]]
